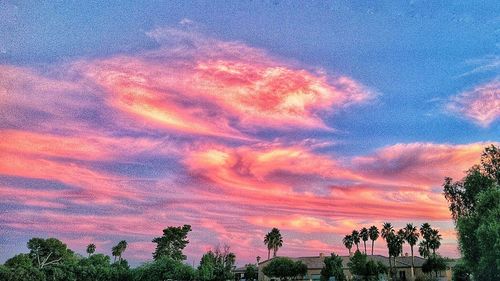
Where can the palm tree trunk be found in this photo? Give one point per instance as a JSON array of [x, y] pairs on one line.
[[364, 242], [357, 247], [373, 242], [412, 264], [390, 267], [268, 253]]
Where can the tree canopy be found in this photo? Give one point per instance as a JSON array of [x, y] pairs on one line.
[[332, 268], [474, 203], [285, 269], [171, 244]]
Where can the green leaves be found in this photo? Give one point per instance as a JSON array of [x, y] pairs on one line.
[[285, 269], [171, 244], [332, 268]]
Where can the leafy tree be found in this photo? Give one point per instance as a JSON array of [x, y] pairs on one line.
[[373, 233], [355, 238], [461, 272], [285, 269], [121, 246], [411, 236], [332, 268], [164, 268], [49, 251], [474, 203], [251, 272], [348, 242], [90, 249], [364, 269], [217, 265], [434, 263], [363, 233], [21, 268], [171, 244]]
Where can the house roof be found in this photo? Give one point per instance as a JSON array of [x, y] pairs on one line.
[[316, 262]]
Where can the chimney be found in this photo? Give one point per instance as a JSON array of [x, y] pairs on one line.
[[321, 255]]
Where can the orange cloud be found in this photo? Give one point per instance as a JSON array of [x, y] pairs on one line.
[[481, 104]]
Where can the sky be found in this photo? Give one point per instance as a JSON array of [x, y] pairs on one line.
[[121, 118]]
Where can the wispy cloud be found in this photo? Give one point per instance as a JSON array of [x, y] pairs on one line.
[[481, 104]]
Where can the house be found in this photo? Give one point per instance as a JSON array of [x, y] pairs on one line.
[[403, 267]]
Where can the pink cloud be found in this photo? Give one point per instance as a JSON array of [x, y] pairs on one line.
[[480, 104], [218, 88]]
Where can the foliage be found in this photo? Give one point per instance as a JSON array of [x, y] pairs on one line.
[[164, 268], [364, 269], [461, 272], [355, 238], [217, 265], [90, 249], [332, 268], [251, 272], [285, 269], [474, 203], [434, 263], [171, 244], [50, 251], [364, 235]]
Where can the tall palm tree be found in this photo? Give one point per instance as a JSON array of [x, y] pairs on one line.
[[425, 231], [435, 240], [274, 241], [277, 241], [355, 238], [90, 249], [387, 234], [373, 233], [411, 236], [348, 242], [268, 242], [363, 233], [115, 251]]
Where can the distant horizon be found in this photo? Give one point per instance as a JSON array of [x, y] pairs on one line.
[[122, 118]]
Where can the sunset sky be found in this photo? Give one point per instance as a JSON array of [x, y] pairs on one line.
[[122, 118]]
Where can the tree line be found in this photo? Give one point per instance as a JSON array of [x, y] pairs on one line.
[[51, 260]]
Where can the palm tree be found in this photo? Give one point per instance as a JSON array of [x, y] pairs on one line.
[[425, 231], [90, 249], [355, 238], [268, 243], [435, 240], [348, 242], [115, 251], [411, 236], [373, 233], [277, 241], [387, 233], [363, 233], [274, 241]]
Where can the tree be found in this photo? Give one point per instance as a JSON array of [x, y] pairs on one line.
[[373, 233], [274, 241], [164, 268], [474, 203], [434, 240], [411, 236], [171, 244], [285, 269], [387, 234], [424, 246], [50, 251], [121, 247], [434, 263], [332, 268], [251, 272], [461, 272], [364, 269], [217, 265], [363, 233], [21, 268], [355, 238], [90, 249], [348, 242]]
